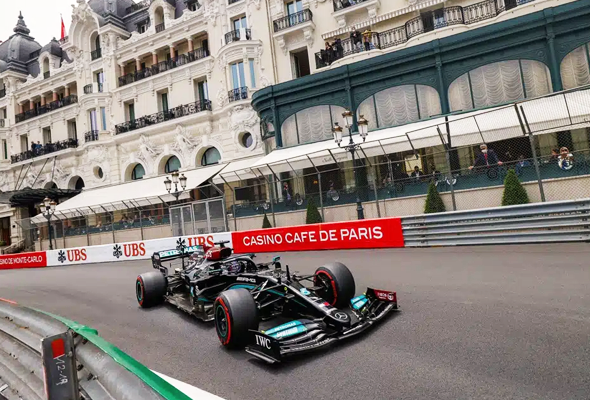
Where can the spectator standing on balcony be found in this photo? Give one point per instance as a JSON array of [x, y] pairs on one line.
[[338, 49], [355, 39], [327, 54], [487, 157], [554, 156], [521, 164], [367, 36], [34, 148], [416, 173], [286, 194]]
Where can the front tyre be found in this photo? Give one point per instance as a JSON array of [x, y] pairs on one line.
[[337, 284], [150, 288], [235, 314]]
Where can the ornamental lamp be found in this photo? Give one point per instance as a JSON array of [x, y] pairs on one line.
[[47, 202], [175, 177], [168, 184], [348, 120], [52, 205], [363, 125], [183, 180], [337, 129]]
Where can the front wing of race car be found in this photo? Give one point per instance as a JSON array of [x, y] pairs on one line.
[[302, 336]]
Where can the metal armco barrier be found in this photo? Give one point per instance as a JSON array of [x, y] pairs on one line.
[[531, 223], [99, 374]]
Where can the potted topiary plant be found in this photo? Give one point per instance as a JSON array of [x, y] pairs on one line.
[[313, 215], [514, 192], [434, 202], [265, 222]]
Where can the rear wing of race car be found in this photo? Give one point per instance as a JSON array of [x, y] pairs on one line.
[[169, 255]]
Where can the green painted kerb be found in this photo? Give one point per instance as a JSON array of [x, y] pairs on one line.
[[158, 384]]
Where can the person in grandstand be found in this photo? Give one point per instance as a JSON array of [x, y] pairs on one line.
[[487, 157], [565, 159]]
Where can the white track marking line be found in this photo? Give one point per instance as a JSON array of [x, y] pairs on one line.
[[191, 391]]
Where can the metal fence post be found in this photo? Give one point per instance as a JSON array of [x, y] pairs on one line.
[[321, 195], [533, 148], [376, 193], [449, 166]]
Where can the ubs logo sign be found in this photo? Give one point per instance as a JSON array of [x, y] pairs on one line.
[[72, 255], [129, 250], [201, 241]]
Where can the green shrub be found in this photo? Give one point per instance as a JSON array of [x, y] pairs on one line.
[[313, 215], [434, 203], [514, 193], [265, 222]]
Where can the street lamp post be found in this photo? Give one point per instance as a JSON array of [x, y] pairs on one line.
[[48, 213], [175, 180], [352, 147]]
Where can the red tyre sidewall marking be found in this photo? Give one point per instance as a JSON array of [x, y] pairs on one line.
[[142, 291], [228, 323], [333, 285]]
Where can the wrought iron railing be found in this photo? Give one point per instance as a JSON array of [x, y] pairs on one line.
[[342, 4], [163, 116], [91, 136], [292, 20], [44, 149], [160, 27], [46, 74], [163, 66], [238, 94], [54, 105], [96, 54], [234, 36], [89, 89], [437, 19], [2, 93]]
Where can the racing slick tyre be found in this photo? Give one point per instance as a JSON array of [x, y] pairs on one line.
[[150, 288], [235, 314], [337, 283]]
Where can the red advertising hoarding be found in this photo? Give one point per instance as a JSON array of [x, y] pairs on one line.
[[23, 260], [363, 234]]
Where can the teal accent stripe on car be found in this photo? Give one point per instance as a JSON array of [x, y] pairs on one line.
[[289, 329], [359, 302]]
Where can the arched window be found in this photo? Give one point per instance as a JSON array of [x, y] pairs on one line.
[[499, 83], [313, 124], [574, 68], [78, 183], [97, 42], [211, 156], [173, 164], [138, 172], [400, 105], [46, 65]]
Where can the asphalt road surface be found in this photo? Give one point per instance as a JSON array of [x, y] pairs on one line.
[[507, 322]]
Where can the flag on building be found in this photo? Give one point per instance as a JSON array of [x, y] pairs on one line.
[[63, 28]]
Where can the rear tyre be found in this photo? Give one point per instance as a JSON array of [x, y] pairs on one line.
[[337, 283], [235, 314], [150, 288]]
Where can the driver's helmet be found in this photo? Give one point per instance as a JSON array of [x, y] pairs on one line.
[[234, 267]]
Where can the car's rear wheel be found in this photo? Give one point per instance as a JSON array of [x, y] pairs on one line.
[[150, 288], [235, 314], [336, 283]]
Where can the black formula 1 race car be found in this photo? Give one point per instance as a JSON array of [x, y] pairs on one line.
[[266, 309]]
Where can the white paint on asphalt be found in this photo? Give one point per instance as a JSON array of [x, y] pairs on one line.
[[191, 391]]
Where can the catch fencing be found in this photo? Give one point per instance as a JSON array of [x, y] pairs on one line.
[[546, 141], [100, 371]]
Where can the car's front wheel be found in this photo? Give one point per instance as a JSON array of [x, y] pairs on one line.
[[336, 283], [235, 314], [150, 288]]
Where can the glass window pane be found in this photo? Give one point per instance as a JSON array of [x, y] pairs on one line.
[[217, 216], [176, 222], [201, 224], [234, 76], [242, 76]]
